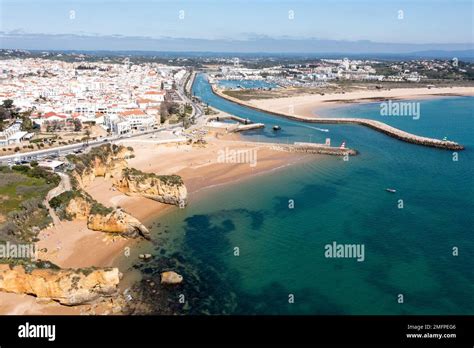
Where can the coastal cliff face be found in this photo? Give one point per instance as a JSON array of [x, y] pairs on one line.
[[77, 204], [78, 207], [107, 161], [167, 189], [118, 222], [68, 287], [110, 161]]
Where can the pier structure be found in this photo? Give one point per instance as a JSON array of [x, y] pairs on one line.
[[230, 117], [313, 148], [246, 127], [391, 131], [373, 124], [244, 124]]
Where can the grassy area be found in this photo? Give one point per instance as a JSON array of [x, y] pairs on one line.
[[29, 265], [22, 192], [172, 180], [60, 202], [16, 188]]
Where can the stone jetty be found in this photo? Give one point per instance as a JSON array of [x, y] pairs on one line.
[[312, 148], [376, 125]]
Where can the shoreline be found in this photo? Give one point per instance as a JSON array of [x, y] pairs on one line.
[[72, 245], [373, 124], [311, 110], [307, 104]]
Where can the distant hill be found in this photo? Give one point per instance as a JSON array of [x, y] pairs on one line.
[[257, 46]]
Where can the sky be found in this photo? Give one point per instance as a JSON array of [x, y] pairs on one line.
[[387, 21]]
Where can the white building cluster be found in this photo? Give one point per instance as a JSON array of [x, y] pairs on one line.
[[119, 97], [309, 75]]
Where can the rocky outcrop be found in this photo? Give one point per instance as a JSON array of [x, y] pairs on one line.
[[78, 207], [118, 221], [104, 161], [68, 287], [78, 204], [167, 189], [171, 277], [109, 161]]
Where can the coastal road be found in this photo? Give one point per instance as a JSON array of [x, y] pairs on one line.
[[198, 112], [67, 149]]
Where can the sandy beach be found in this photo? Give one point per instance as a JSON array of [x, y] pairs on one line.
[[199, 167], [72, 245], [307, 105]]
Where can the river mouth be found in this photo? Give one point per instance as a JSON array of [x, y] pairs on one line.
[[281, 266]]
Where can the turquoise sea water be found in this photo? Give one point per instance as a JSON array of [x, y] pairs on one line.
[[408, 251]]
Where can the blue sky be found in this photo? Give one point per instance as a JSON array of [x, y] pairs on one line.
[[425, 21]]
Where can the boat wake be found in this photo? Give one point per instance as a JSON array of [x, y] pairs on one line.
[[318, 129]]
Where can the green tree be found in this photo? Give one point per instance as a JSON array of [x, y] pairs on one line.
[[27, 124], [87, 132], [7, 104], [4, 113], [164, 114], [77, 125]]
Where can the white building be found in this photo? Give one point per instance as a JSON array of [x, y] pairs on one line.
[[138, 119], [12, 135]]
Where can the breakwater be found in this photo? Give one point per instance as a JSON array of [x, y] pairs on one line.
[[229, 117], [376, 125], [312, 148]]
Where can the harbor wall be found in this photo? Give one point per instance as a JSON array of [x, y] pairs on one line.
[[376, 125]]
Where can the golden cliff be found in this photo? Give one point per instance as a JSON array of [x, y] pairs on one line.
[[78, 208], [106, 160], [110, 161], [167, 189], [77, 204], [68, 287], [118, 222]]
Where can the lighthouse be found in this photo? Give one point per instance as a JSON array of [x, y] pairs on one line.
[[343, 145]]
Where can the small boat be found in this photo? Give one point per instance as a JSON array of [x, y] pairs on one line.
[[276, 128], [322, 129], [391, 190]]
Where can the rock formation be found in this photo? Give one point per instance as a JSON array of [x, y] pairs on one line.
[[68, 287], [77, 204], [167, 189], [117, 222], [171, 277], [78, 207], [106, 160]]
